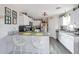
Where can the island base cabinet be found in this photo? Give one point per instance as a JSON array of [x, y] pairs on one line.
[[37, 44]]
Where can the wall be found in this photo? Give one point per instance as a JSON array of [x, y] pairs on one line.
[[2, 12], [5, 28], [24, 20], [53, 24], [36, 23]]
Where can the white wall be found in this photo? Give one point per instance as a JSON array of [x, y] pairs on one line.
[[60, 21], [21, 20], [36, 23], [53, 24], [5, 28], [24, 20], [2, 13]]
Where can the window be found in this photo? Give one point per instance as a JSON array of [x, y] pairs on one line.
[[66, 20]]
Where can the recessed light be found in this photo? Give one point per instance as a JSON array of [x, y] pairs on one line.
[[58, 7]]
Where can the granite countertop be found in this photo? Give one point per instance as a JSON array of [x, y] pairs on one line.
[[70, 32]]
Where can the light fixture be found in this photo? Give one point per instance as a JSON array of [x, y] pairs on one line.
[[44, 14], [24, 13]]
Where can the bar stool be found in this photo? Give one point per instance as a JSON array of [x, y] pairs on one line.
[[19, 42]]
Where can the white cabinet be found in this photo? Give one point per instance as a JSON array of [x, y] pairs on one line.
[[67, 40], [24, 44], [36, 44], [76, 45], [75, 17]]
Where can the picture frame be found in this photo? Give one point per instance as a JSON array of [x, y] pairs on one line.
[[7, 15], [14, 17]]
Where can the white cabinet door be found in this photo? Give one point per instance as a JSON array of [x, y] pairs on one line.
[[76, 45], [61, 38], [75, 17], [70, 43]]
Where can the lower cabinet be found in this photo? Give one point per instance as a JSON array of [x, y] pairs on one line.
[[67, 40], [76, 45]]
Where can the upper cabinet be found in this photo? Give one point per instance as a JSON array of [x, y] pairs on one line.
[[75, 17]]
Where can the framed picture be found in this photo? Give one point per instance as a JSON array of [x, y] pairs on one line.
[[7, 15], [14, 17]]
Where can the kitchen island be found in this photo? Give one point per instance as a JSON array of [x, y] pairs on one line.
[[25, 43], [37, 42]]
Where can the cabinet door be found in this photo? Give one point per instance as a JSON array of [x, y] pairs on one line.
[[60, 37], [76, 45], [75, 17], [70, 43]]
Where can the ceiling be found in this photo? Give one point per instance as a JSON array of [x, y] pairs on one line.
[[37, 10]]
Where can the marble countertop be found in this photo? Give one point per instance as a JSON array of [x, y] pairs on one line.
[[31, 33]]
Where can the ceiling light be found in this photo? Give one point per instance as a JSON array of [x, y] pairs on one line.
[[44, 14]]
